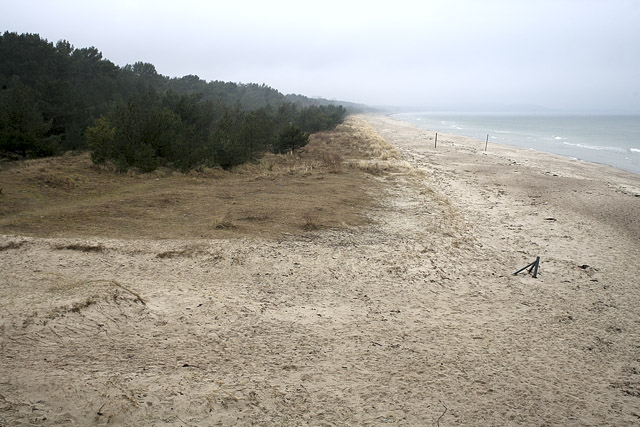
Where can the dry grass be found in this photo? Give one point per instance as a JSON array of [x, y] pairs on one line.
[[69, 196], [189, 251], [333, 161], [224, 223], [11, 245], [81, 247], [354, 140], [373, 167], [310, 221]]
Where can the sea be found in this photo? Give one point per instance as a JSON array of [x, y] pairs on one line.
[[608, 139]]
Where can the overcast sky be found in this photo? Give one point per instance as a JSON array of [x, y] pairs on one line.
[[561, 54]]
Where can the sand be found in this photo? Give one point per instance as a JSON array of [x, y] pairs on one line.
[[415, 319]]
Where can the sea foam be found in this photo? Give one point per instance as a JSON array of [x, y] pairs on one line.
[[597, 147]]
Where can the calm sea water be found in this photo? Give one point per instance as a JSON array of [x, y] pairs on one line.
[[608, 139]]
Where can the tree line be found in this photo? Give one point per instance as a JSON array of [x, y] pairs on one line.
[[56, 98]]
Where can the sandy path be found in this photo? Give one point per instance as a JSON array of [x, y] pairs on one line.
[[414, 320]]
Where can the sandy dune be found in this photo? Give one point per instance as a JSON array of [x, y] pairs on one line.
[[415, 319]]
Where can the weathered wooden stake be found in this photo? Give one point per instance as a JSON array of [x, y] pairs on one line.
[[486, 143], [436, 144], [533, 266]]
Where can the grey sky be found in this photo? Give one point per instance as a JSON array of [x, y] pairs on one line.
[[564, 54]]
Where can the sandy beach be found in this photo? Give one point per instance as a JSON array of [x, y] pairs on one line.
[[414, 318]]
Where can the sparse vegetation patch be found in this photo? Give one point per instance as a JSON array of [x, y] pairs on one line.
[[11, 245], [310, 221], [266, 197], [81, 247]]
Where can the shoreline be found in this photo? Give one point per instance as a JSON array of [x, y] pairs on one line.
[[582, 219], [582, 150], [498, 148], [529, 169]]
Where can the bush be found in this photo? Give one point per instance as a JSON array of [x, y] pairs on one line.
[[290, 139], [100, 138]]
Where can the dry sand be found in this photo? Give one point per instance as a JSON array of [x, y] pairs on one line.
[[415, 319]]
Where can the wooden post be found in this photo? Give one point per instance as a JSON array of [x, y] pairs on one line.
[[486, 143], [533, 266], [436, 144]]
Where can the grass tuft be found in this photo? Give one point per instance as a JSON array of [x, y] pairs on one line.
[[310, 221], [332, 161], [11, 245], [224, 223], [81, 247]]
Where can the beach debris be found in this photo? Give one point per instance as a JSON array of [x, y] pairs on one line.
[[550, 219], [591, 271], [533, 266]]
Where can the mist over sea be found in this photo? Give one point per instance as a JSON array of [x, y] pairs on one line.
[[609, 139]]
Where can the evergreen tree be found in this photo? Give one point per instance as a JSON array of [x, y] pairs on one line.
[[23, 129], [57, 97], [290, 139]]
